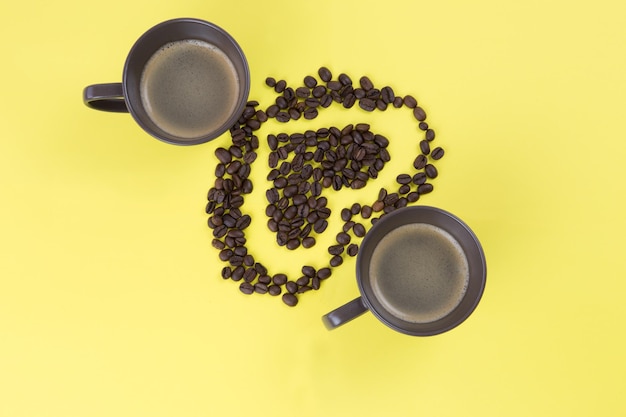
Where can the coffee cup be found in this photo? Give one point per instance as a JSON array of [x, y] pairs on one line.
[[420, 270], [185, 81]]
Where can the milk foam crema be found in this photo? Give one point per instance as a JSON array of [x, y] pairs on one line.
[[419, 273], [189, 88]]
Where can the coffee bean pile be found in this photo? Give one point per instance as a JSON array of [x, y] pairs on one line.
[[301, 166]]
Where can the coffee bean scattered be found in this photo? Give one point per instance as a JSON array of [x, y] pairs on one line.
[[302, 165]]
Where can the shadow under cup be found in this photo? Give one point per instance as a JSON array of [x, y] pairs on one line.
[[369, 300]]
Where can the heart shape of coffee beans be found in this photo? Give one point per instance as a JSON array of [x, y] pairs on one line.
[[301, 166]]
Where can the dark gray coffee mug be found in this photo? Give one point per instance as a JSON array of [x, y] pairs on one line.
[[368, 300], [126, 96]]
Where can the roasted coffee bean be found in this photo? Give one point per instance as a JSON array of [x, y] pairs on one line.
[[367, 104], [366, 211], [308, 271], [264, 278], [359, 230], [430, 135], [336, 260], [246, 288], [223, 155], [273, 159], [248, 112], [274, 290], [419, 178], [253, 124], [293, 244], [272, 196], [310, 81], [346, 214], [425, 188], [402, 202], [419, 113], [323, 273], [290, 95], [280, 86], [410, 101], [240, 251], [420, 162], [326, 100], [382, 193], [404, 189], [272, 224], [397, 102], [270, 81], [431, 171], [403, 179], [304, 289], [349, 101], [352, 250], [343, 238], [318, 91], [347, 226], [312, 102], [220, 170], [381, 105], [233, 167], [283, 117], [237, 273], [279, 279], [303, 92], [325, 74], [272, 110], [412, 197], [310, 113], [425, 147], [437, 153], [336, 249], [345, 79], [378, 206], [218, 244], [226, 272], [282, 238], [334, 85], [366, 83], [374, 94], [291, 287], [243, 222], [294, 113], [304, 280], [290, 299], [308, 242], [320, 225], [261, 116], [381, 141], [315, 283], [387, 95], [260, 288], [391, 199], [249, 275]]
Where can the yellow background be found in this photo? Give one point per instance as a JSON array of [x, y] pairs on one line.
[[111, 303]]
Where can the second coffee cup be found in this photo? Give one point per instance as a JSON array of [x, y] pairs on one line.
[[420, 271]]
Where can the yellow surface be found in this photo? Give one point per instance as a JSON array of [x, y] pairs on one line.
[[111, 303]]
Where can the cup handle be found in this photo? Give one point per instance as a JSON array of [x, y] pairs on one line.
[[345, 313], [105, 97]]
